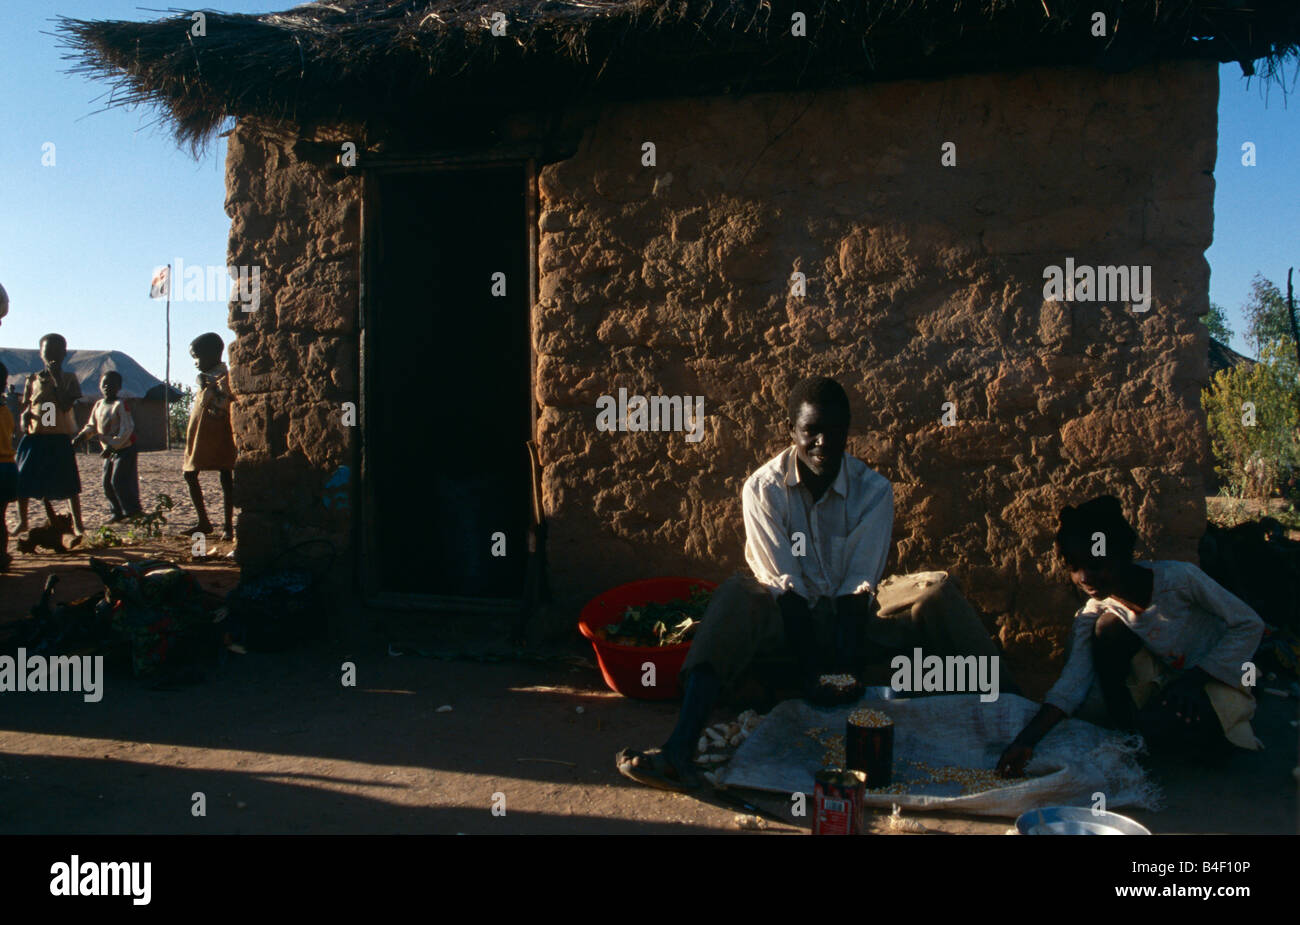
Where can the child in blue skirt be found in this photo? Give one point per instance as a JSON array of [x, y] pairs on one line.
[[47, 465]]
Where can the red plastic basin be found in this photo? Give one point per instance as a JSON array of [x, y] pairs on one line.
[[621, 666]]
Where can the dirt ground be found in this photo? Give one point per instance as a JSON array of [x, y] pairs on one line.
[[159, 473], [277, 744], [1228, 512]]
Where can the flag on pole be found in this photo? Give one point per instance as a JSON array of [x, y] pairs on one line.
[[160, 285]]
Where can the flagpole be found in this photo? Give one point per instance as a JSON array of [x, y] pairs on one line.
[[167, 374]]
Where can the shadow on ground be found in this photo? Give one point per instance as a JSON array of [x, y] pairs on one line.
[[277, 744]]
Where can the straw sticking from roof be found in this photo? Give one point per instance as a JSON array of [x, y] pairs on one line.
[[350, 59]]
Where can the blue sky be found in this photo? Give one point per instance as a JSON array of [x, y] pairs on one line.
[[79, 240]]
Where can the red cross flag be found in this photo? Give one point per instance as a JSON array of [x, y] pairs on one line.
[[161, 282]]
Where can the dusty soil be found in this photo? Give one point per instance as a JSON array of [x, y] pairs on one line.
[[1228, 512], [277, 744], [160, 472]]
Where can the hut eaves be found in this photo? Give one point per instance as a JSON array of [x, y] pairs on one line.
[[1224, 357], [350, 60]]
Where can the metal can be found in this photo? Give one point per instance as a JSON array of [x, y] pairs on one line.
[[837, 801], [870, 749]]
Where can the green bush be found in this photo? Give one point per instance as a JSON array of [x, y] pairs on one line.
[[1252, 413], [179, 414], [144, 526]]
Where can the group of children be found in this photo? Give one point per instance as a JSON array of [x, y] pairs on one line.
[[42, 464]]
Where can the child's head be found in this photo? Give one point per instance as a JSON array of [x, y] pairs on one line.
[[1096, 544], [53, 349], [4, 302], [110, 384], [206, 350]]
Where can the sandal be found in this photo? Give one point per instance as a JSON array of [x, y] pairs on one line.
[[658, 773]]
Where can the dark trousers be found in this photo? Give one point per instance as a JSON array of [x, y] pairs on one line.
[[122, 482], [743, 621], [1114, 646]]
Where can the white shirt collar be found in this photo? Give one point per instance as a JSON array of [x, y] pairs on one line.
[[840, 485]]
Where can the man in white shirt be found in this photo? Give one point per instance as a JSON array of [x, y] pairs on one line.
[[817, 532]]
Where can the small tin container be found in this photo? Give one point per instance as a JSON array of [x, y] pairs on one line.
[[838, 801], [870, 748]]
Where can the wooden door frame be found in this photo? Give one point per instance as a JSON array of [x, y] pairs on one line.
[[371, 221]]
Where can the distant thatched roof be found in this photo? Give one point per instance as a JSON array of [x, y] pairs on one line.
[[88, 366], [1224, 357], [355, 59]]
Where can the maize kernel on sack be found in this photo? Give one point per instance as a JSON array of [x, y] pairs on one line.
[[952, 732], [970, 780], [841, 682], [832, 746], [869, 718], [923, 775], [895, 788]]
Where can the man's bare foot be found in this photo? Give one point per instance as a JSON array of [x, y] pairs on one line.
[[656, 768]]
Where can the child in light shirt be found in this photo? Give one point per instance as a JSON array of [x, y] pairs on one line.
[[1159, 647], [111, 424]]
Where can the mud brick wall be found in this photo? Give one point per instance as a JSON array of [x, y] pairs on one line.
[[294, 360], [924, 286]]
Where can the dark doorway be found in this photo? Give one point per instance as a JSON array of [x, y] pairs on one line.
[[448, 376]]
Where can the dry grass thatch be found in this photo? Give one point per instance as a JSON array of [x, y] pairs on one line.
[[1224, 357], [354, 58]]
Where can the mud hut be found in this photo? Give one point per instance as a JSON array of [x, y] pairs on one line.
[[477, 222]]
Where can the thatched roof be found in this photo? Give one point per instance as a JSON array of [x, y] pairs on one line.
[[357, 59], [1224, 357], [88, 366]]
